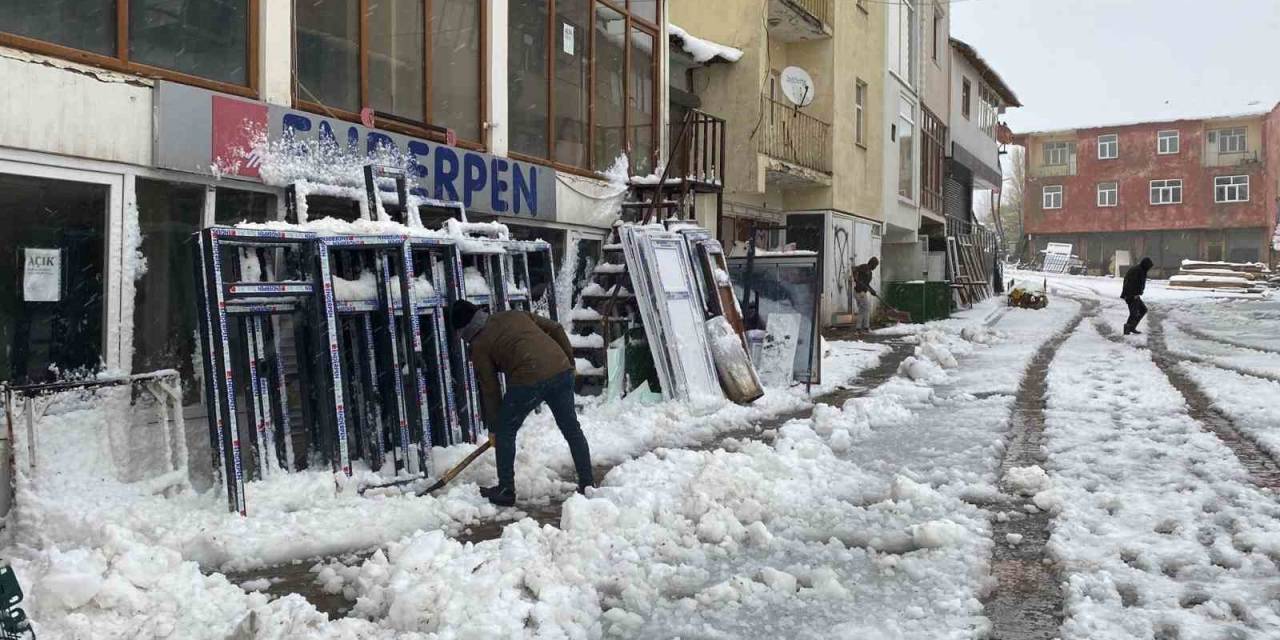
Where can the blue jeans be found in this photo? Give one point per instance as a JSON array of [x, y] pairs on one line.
[[557, 392]]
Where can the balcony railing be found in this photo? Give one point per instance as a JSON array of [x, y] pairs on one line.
[[698, 154], [820, 9], [790, 135]]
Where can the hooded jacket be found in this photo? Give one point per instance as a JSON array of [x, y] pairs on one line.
[[1135, 279]]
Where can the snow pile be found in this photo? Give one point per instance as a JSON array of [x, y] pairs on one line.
[[683, 543], [1027, 481], [474, 282], [365, 287]]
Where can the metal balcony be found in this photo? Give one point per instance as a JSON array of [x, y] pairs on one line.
[[799, 20], [798, 145]]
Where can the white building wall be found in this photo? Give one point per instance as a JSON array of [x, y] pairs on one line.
[[965, 131], [60, 107]]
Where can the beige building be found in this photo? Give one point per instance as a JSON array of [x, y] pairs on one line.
[[823, 156]]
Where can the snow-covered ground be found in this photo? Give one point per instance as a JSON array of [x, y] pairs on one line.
[[866, 520]]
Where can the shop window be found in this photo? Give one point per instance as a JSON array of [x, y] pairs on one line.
[[610, 58], [205, 43], [191, 38], [415, 63], [455, 66], [165, 303], [51, 314], [598, 99]]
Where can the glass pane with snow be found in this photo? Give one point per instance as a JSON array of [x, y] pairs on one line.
[[610, 72]]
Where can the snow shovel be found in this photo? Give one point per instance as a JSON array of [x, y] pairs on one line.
[[444, 479], [893, 313], [453, 473]]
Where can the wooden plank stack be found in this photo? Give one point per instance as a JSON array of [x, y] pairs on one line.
[[969, 260], [1244, 277]]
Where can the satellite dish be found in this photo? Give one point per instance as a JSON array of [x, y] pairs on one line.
[[797, 86]]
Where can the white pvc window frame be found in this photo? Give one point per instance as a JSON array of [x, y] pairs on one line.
[[1051, 196], [1231, 189], [1108, 146], [1168, 142], [1108, 194], [1166, 191]]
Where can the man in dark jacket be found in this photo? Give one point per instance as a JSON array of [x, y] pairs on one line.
[[861, 287], [535, 356], [1135, 283]]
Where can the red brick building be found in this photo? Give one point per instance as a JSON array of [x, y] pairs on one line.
[[1205, 189]]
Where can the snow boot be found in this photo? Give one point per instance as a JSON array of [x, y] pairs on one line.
[[1135, 332], [501, 496]]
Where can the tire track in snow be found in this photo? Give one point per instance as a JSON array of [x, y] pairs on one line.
[[1205, 335], [1262, 468], [1026, 602]]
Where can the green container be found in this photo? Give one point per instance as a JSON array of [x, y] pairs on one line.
[[925, 301]]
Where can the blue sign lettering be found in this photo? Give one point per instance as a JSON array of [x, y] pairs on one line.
[[483, 183]]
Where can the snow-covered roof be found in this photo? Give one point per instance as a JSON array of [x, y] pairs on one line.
[[703, 51], [1251, 110], [988, 74]]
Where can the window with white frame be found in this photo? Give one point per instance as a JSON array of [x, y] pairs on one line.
[[988, 110], [1057, 153], [1051, 196], [1231, 189], [1166, 191], [1167, 142], [1229, 140], [1108, 194], [860, 113], [1108, 147]]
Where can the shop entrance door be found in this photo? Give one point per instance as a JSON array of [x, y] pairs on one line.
[[59, 272]]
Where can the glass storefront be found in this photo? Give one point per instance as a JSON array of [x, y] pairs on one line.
[[52, 270]]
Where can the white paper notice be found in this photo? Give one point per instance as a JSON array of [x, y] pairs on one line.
[[42, 275], [568, 38]]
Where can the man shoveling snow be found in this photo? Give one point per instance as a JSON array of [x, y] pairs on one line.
[[1135, 283], [535, 355]]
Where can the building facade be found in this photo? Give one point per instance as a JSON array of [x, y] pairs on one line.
[[823, 156], [114, 149], [979, 96], [1199, 189]]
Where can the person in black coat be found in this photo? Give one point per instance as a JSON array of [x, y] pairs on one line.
[[1135, 283]]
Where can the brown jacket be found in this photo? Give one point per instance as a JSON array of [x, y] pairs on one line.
[[525, 347]]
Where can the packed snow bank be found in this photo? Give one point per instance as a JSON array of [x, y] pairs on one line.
[[1160, 532]]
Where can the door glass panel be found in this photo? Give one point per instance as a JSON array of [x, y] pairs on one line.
[[164, 312], [640, 98], [42, 341], [233, 206]]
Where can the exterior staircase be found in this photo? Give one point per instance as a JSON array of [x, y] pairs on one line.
[[606, 308]]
